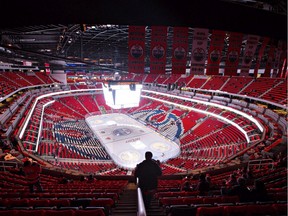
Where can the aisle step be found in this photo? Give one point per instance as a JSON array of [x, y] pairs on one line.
[[127, 204]]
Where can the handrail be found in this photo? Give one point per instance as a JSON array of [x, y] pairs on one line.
[[5, 164], [141, 207], [261, 162]]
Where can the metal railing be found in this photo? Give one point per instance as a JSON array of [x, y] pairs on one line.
[[260, 163], [141, 211], [141, 207]]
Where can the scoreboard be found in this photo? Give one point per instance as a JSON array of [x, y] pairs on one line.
[[122, 94]]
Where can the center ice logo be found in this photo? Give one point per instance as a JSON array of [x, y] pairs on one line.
[[122, 132]]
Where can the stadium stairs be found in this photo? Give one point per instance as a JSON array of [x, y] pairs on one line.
[[127, 204]]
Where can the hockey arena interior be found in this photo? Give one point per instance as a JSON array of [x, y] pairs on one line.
[[86, 101]]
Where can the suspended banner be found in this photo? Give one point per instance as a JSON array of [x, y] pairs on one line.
[[47, 68], [260, 55], [249, 52], [198, 54], [284, 72], [232, 60], [270, 62], [136, 45], [283, 62], [215, 52], [278, 53], [158, 49], [179, 50]]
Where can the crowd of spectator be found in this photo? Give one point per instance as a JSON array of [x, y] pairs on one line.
[[239, 183]]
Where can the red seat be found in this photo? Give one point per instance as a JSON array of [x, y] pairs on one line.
[[230, 199], [260, 210], [210, 211], [280, 208], [68, 212], [17, 203], [212, 200], [235, 210], [107, 202], [192, 200], [168, 201], [94, 212], [38, 203], [59, 203], [3, 202], [32, 212], [8, 212]]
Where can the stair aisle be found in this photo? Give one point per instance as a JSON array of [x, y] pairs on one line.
[[155, 209], [127, 204]]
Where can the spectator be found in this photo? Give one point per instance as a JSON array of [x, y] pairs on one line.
[[203, 185], [223, 188], [21, 171], [186, 184], [247, 175], [187, 177], [232, 181], [83, 178], [147, 173], [240, 190], [63, 180], [259, 192], [212, 187], [91, 179], [32, 172]]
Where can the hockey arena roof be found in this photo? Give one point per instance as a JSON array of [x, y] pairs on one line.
[[86, 32]]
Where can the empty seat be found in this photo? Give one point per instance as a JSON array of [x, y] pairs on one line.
[[91, 212], [32, 212], [17, 203], [210, 211], [84, 202], [182, 210], [68, 212], [280, 208], [167, 201], [105, 202], [8, 212], [230, 199], [59, 203], [235, 210], [192, 200], [212, 200], [38, 203], [267, 210]]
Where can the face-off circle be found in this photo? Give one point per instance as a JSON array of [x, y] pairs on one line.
[[160, 147], [122, 132], [98, 121], [130, 156]]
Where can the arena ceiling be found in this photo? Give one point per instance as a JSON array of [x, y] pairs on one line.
[[90, 33]]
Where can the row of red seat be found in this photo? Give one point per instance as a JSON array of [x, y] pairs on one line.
[[241, 210], [51, 212], [58, 203]]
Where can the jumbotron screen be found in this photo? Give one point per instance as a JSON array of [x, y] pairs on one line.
[[122, 94]]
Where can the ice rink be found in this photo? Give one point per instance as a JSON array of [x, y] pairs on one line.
[[126, 140]]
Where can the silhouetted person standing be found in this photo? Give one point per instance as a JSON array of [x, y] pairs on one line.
[[203, 185], [259, 192], [241, 190], [148, 172], [32, 172]]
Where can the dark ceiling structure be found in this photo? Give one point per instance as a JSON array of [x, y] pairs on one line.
[[94, 34]]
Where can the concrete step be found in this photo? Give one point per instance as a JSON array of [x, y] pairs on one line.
[[127, 205]]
